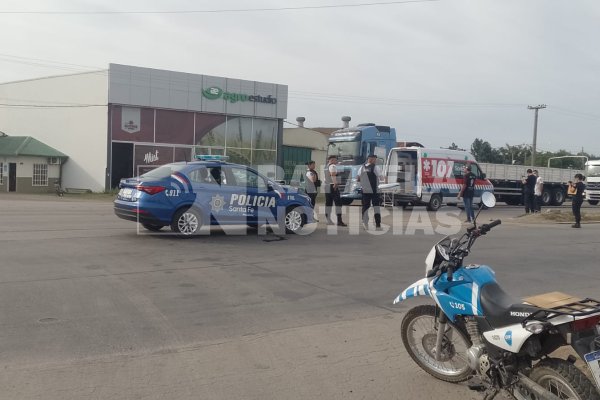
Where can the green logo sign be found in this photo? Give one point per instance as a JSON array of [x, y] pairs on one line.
[[215, 93], [212, 93]]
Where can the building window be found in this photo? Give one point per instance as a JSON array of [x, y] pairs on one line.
[[40, 174], [1, 173]]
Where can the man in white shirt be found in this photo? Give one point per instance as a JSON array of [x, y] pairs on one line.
[[539, 189], [369, 175]]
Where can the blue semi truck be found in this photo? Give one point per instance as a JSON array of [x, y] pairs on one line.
[[351, 146]]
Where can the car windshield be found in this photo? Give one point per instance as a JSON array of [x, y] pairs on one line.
[[163, 171]]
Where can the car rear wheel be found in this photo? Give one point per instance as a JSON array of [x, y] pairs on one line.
[[295, 219], [187, 222]]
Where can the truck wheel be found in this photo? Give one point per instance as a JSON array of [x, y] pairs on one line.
[[347, 202], [593, 202], [558, 197], [546, 197], [434, 203], [513, 201]]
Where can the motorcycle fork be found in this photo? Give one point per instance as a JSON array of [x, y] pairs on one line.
[[442, 322]]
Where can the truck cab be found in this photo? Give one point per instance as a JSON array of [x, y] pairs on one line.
[[592, 182], [351, 146]]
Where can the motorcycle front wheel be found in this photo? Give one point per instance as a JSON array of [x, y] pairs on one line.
[[562, 379], [419, 333]]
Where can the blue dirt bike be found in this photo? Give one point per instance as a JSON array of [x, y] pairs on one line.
[[477, 332]]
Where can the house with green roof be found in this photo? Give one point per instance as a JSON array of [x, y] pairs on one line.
[[28, 165]]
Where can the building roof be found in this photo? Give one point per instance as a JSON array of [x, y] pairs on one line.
[[27, 146]]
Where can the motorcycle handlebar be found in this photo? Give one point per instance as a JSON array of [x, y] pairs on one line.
[[487, 227], [494, 223]]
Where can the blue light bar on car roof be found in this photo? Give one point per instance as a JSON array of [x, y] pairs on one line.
[[209, 157]]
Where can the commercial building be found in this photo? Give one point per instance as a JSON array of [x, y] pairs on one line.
[[123, 121]]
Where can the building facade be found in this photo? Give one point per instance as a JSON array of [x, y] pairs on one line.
[[126, 120], [28, 165]]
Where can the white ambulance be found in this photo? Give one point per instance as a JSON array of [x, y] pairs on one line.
[[430, 177]]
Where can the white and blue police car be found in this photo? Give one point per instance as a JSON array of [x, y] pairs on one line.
[[210, 191]]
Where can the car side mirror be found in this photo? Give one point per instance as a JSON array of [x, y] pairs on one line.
[[483, 176]]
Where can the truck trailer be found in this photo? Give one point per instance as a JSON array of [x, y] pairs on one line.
[[508, 182]]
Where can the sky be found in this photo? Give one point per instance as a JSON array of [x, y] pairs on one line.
[[439, 71]]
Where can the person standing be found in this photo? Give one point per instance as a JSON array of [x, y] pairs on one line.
[[332, 193], [312, 183], [579, 188], [529, 190], [467, 192], [369, 175], [538, 191]]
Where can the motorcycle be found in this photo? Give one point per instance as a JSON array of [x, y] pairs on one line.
[[478, 332]]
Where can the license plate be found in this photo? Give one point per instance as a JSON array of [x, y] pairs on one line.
[[593, 361], [126, 193]]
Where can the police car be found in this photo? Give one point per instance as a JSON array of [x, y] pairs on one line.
[[189, 195]]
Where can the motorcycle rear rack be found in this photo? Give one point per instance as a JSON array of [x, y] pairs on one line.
[[580, 308]]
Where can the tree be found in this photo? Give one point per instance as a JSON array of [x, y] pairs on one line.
[[483, 152]]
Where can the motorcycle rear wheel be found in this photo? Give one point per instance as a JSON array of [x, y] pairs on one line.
[[562, 379], [419, 333]]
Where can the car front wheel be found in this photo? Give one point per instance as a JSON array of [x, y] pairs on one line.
[[187, 222], [295, 219]]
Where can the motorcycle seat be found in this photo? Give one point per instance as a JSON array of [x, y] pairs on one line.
[[500, 308]]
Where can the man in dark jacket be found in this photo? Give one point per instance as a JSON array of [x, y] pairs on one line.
[[369, 175], [529, 191]]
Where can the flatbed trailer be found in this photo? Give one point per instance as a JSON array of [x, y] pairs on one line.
[[508, 182]]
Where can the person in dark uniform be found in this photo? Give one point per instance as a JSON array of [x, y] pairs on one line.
[[467, 192], [529, 191], [579, 188], [332, 191], [369, 175]]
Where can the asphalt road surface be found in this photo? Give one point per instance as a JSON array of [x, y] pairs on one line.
[[93, 309]]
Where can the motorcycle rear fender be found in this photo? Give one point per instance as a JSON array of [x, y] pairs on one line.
[[419, 288]]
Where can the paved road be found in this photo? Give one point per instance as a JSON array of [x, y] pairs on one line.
[[92, 309]]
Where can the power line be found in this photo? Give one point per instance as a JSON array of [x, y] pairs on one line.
[[48, 63], [381, 3], [9, 105]]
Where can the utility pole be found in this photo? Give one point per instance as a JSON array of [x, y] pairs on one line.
[[536, 108]]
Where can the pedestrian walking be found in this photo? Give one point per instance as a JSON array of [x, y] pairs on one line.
[[467, 192], [538, 191], [529, 191], [369, 175], [312, 183], [332, 191], [578, 187]]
